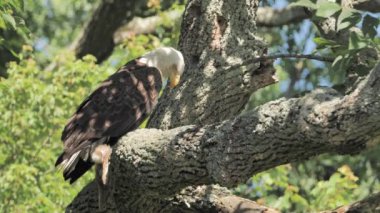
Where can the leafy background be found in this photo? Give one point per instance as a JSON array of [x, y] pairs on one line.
[[35, 103]]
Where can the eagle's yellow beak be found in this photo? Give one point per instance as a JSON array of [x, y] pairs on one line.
[[174, 79]]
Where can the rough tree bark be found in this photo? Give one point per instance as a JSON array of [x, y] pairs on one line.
[[170, 171], [216, 36], [369, 204]]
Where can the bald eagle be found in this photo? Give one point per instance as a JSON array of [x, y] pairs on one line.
[[119, 105]]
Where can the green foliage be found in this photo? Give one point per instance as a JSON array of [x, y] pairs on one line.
[[35, 105], [360, 39], [55, 24], [326, 8], [370, 24], [13, 32], [348, 18], [46, 25], [290, 188], [10, 18]]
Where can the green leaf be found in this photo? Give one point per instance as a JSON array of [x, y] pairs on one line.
[[376, 42], [17, 5], [339, 67], [21, 4], [357, 41], [348, 18], [326, 8], [299, 199], [304, 3], [9, 19], [322, 42], [370, 24], [2, 23]]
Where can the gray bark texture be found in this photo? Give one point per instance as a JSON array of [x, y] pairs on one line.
[[201, 144]]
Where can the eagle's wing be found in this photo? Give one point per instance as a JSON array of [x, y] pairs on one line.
[[119, 105]]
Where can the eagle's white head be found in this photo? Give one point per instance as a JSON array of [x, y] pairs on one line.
[[168, 60]]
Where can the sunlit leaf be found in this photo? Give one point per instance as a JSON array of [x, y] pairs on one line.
[[348, 18], [9, 19], [322, 42], [296, 198], [2, 23], [327, 8], [357, 41], [339, 68]]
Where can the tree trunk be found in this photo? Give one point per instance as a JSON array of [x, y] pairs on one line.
[[97, 38], [217, 36]]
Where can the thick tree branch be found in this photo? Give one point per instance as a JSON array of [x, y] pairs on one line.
[[369, 204], [227, 153], [230, 152], [97, 37], [364, 5], [269, 17], [146, 25]]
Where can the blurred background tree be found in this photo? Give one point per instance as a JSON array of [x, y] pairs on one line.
[[42, 82]]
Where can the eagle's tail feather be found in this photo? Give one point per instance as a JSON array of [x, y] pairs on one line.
[[80, 168], [73, 165], [59, 160]]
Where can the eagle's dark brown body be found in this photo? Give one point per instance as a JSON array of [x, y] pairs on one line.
[[119, 105]]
